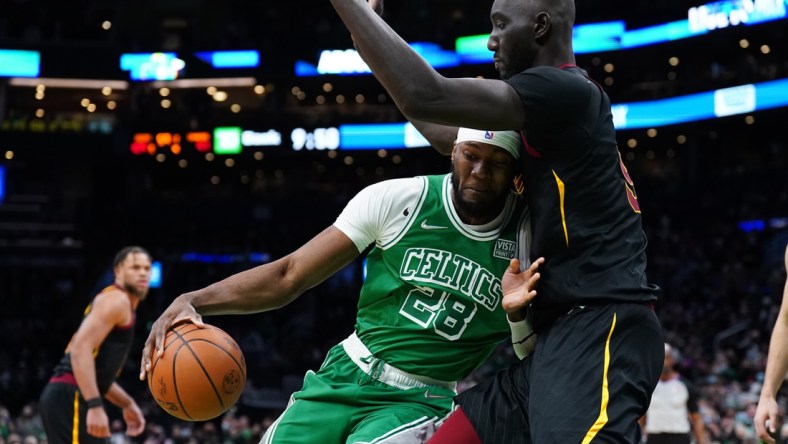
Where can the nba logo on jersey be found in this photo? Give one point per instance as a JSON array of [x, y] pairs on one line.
[[489, 135]]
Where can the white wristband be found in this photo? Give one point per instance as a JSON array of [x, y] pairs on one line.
[[523, 337]]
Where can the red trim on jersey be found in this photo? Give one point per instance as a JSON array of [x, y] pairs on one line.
[[129, 325], [457, 429], [528, 148], [66, 378]]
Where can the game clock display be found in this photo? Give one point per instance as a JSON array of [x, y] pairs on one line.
[[317, 139]]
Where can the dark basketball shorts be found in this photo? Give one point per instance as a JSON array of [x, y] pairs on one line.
[[589, 380], [63, 412]]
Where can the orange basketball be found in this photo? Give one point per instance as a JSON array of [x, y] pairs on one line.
[[200, 375]]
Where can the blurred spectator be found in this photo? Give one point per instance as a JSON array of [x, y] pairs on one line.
[[674, 415], [29, 422]]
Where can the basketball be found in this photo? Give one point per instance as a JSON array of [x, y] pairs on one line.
[[200, 375]]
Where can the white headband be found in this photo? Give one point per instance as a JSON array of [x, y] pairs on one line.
[[509, 141]]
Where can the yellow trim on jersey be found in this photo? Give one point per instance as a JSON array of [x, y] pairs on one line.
[[562, 195], [75, 420], [602, 419]]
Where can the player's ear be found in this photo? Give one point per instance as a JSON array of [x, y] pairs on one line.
[[542, 26]]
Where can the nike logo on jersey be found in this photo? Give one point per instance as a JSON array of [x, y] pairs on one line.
[[426, 226], [429, 395], [406, 212]]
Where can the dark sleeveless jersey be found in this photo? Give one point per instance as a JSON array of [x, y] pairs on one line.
[[584, 211], [111, 354]]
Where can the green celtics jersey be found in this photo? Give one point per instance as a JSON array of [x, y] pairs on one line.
[[431, 304]]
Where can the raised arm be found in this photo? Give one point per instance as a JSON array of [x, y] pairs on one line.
[[776, 367], [441, 137], [262, 288], [419, 91]]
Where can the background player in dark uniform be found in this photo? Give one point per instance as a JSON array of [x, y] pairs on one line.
[[600, 348], [71, 403]]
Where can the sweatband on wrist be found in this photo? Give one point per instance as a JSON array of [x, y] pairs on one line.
[[521, 330], [94, 402], [523, 337]]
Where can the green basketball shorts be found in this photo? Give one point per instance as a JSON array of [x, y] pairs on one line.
[[355, 398]]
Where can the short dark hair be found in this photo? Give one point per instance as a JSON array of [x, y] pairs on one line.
[[125, 252]]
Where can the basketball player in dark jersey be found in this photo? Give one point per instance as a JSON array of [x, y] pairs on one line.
[[600, 350], [72, 402]]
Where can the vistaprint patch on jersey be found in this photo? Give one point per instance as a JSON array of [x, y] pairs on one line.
[[504, 249]]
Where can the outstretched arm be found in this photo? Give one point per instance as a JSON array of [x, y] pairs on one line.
[[441, 137], [262, 288], [377, 6], [776, 367], [419, 91]]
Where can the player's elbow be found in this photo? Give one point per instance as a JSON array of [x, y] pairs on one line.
[[79, 352], [411, 108], [423, 101], [291, 284], [419, 108], [443, 148]]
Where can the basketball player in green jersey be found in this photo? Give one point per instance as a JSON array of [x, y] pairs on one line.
[[429, 312]]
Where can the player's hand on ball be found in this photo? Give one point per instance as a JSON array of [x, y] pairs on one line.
[[179, 311], [201, 373], [519, 288]]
